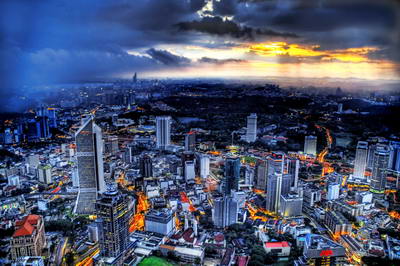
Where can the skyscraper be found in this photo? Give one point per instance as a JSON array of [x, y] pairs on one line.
[[293, 170], [360, 162], [189, 171], [204, 166], [274, 189], [395, 151], [190, 141], [251, 130], [163, 131], [146, 166], [44, 173], [225, 211], [232, 175], [379, 168], [310, 145], [89, 147], [113, 221], [276, 163], [261, 174]]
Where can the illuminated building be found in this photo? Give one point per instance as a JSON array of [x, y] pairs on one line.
[[111, 145], [274, 190], [28, 238], [280, 249], [189, 171], [161, 222], [333, 191], [291, 205], [361, 159], [310, 145], [113, 223], [261, 174], [276, 163], [379, 168], [395, 156], [337, 223], [225, 211], [232, 175], [319, 250], [163, 131], [44, 174], [293, 165], [190, 141], [89, 147], [251, 130], [29, 261], [204, 166]]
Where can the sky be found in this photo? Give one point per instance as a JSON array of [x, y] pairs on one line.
[[56, 41]]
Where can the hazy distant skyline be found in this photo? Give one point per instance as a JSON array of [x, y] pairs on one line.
[[59, 41]]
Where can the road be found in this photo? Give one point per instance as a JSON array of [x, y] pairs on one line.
[[60, 250]]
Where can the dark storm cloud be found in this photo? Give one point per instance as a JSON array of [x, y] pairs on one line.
[[167, 58], [219, 26]]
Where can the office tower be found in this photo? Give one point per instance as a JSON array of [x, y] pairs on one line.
[[189, 171], [146, 166], [89, 147], [44, 173], [293, 170], [190, 141], [249, 175], [204, 166], [134, 78], [113, 223], [251, 130], [163, 131], [13, 180], [311, 195], [111, 145], [232, 175], [52, 115], [33, 162], [42, 127], [224, 212], [161, 222], [395, 152], [371, 154], [291, 205], [261, 174], [28, 238], [310, 145], [360, 162], [93, 232], [340, 107], [276, 163], [333, 191], [286, 184], [379, 168], [75, 177], [274, 189]]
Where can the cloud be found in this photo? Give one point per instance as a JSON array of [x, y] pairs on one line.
[[222, 27], [167, 58], [215, 61]]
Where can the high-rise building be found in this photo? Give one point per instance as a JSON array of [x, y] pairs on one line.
[[146, 166], [293, 170], [52, 115], [286, 184], [276, 163], [261, 174], [89, 147], [111, 145], [189, 171], [113, 223], [225, 211], [310, 145], [395, 152], [163, 131], [333, 191], [379, 169], [337, 223], [44, 173], [28, 238], [190, 141], [360, 163], [13, 180], [371, 154], [251, 130], [161, 221], [204, 166], [291, 205], [274, 189], [232, 175]]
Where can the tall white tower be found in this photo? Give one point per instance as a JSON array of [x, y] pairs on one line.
[[361, 159], [310, 145], [163, 131], [251, 133]]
